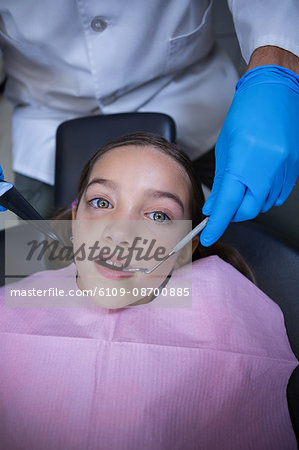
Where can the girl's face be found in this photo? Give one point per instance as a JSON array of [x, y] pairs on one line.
[[136, 198]]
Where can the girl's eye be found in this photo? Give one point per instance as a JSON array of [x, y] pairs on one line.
[[100, 203], [159, 216]]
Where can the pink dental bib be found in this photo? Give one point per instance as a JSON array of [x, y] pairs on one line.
[[211, 376]]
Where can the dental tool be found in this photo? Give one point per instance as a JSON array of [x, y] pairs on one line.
[[175, 249], [11, 199]]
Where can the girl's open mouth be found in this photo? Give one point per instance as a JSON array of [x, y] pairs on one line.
[[112, 269]]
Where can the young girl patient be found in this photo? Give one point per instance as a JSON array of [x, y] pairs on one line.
[[191, 356]]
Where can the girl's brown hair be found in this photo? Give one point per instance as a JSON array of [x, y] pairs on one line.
[[143, 139]]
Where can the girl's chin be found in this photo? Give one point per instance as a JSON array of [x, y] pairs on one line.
[[106, 293], [110, 304], [115, 289], [115, 303]]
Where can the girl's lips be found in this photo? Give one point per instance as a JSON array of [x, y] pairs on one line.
[[112, 273]]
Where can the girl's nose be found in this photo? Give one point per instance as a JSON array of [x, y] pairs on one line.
[[119, 232]]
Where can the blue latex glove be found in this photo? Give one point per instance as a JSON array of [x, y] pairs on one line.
[[2, 178], [257, 152]]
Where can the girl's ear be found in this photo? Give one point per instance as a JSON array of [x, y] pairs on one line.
[[74, 209], [74, 212], [74, 215], [195, 243]]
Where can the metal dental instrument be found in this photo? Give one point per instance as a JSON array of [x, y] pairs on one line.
[[175, 249], [11, 199]]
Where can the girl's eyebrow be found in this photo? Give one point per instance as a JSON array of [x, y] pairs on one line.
[[103, 181], [160, 194], [152, 192]]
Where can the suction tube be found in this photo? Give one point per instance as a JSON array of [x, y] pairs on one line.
[[11, 199]]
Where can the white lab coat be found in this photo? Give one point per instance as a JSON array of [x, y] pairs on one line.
[[70, 58]]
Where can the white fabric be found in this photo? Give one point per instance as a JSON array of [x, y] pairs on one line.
[[270, 22], [153, 55]]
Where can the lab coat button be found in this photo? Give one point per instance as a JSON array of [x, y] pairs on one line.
[[98, 24]]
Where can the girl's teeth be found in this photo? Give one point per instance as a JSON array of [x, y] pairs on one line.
[[113, 263], [117, 265]]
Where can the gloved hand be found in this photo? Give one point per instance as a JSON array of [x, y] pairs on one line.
[[257, 151], [2, 178]]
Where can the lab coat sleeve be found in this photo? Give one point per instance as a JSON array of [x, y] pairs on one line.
[[271, 22]]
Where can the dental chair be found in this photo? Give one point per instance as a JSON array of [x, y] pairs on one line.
[[78, 139], [274, 261]]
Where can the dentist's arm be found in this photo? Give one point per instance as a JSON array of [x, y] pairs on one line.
[[257, 151], [274, 55]]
